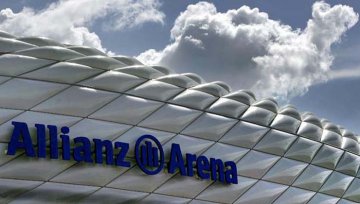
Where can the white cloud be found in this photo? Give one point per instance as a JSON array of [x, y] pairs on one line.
[[247, 49], [349, 73], [67, 21]]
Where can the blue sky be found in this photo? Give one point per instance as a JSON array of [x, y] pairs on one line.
[[335, 98]]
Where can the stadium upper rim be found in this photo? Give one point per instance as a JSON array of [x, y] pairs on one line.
[[286, 118]]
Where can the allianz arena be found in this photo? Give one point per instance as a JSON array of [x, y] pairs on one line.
[[281, 156]]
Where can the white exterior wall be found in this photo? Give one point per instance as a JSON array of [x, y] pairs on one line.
[[282, 156]]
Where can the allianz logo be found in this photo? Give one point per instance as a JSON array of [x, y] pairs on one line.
[[149, 153]]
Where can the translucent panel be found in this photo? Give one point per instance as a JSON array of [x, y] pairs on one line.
[[98, 129], [349, 164], [134, 180], [24, 94], [310, 131], [194, 77], [350, 144], [258, 115], [62, 193], [320, 198], [39, 41], [114, 81], [262, 192], [200, 202], [156, 90], [348, 134], [50, 52], [327, 157], [100, 62], [353, 192], [336, 184], [223, 85], [11, 188], [178, 80], [244, 97], [310, 118], [211, 88], [170, 118], [285, 171], [209, 126], [330, 126], [275, 142], [179, 186], [312, 178], [141, 71], [295, 196], [12, 45], [225, 152], [268, 104], [303, 149], [32, 118], [88, 51], [228, 107], [4, 157], [255, 164], [134, 133], [285, 123], [14, 65], [244, 134], [23, 167], [221, 193], [3, 79], [291, 111], [194, 99], [108, 195], [343, 201], [7, 114], [96, 174], [127, 109], [331, 138], [77, 101], [162, 69], [63, 72], [4, 34], [357, 138], [163, 199], [189, 145], [127, 60]]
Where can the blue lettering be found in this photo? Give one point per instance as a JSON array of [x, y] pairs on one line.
[[120, 158], [149, 158], [231, 172], [176, 160], [41, 140], [203, 165], [65, 141], [21, 130], [82, 151], [109, 152], [217, 169], [190, 158], [54, 152]]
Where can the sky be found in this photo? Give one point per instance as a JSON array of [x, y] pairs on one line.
[[305, 53]]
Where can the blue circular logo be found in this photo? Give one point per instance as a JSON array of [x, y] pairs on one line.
[[147, 156]]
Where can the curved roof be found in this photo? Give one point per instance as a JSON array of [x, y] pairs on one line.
[[159, 83], [42, 76]]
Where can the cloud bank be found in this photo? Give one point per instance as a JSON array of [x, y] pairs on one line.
[[248, 50], [67, 21]]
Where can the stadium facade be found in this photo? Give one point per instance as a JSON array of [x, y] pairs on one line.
[[280, 155]]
